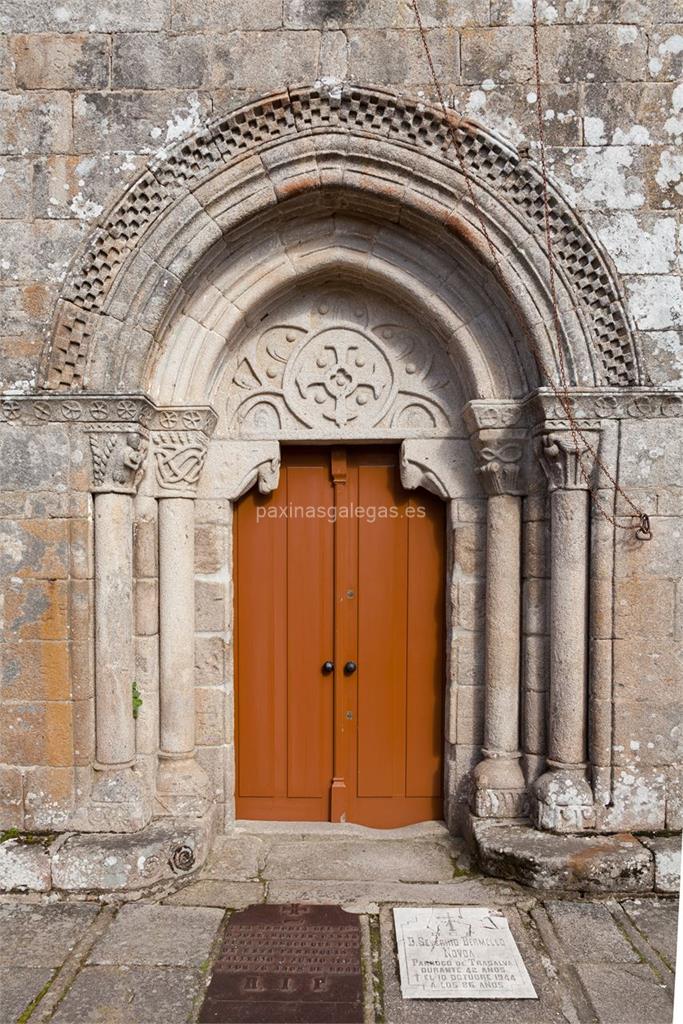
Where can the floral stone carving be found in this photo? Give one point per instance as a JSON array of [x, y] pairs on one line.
[[340, 364]]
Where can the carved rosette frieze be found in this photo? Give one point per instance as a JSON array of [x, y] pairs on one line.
[[568, 456]]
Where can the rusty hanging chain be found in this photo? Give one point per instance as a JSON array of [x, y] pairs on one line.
[[561, 392]]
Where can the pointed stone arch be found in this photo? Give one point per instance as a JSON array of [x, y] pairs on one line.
[[349, 148]]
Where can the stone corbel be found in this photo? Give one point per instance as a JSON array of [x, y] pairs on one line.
[[433, 465], [245, 463]]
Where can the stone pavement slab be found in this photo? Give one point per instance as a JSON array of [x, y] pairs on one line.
[[545, 1010], [41, 936], [212, 892], [359, 860], [235, 858], [162, 936], [657, 920], [367, 897], [588, 932], [131, 995], [626, 994], [19, 986]]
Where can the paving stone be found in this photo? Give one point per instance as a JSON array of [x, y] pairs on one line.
[[160, 936], [547, 1010], [657, 919], [39, 936], [215, 893], [130, 995], [388, 860], [19, 986], [365, 897], [588, 933], [235, 858], [626, 995]]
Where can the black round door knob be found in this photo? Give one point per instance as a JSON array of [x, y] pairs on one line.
[[328, 668], [349, 668]]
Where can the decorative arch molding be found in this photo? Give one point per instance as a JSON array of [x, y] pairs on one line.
[[388, 154]]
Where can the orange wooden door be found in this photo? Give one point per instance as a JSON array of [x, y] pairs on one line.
[[362, 582]]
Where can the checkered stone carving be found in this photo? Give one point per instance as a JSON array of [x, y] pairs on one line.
[[515, 181]]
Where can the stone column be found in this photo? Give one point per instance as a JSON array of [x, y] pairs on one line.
[[119, 800], [564, 799], [182, 786], [499, 787]]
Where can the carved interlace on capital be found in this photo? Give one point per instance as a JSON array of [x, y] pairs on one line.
[[567, 459], [179, 457], [340, 363], [118, 459], [500, 455]]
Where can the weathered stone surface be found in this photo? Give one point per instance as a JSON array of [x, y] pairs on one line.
[[587, 864], [390, 860], [24, 866], [117, 862], [41, 936], [144, 60], [19, 986], [588, 933], [138, 995], [61, 61], [657, 919], [209, 607], [625, 995], [213, 893], [666, 851], [209, 655], [365, 897], [157, 936]]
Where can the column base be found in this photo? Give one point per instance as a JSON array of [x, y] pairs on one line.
[[564, 800], [120, 801], [499, 789], [182, 788]]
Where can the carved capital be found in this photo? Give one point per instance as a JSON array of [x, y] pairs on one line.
[[500, 456], [567, 459], [179, 457], [180, 442], [118, 459]]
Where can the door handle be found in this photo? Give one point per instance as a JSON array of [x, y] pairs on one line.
[[327, 668], [349, 668]]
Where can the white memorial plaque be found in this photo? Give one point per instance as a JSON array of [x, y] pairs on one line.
[[459, 953]]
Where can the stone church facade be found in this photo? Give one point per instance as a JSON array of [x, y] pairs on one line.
[[207, 263]]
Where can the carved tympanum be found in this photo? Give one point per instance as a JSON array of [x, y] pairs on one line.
[[340, 363]]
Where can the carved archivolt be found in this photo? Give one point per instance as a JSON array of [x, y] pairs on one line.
[[507, 184], [343, 364]]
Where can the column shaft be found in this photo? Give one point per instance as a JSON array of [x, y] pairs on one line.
[[568, 627], [176, 625], [503, 591], [114, 655]]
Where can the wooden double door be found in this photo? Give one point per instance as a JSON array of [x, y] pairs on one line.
[[339, 643]]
